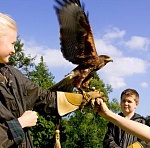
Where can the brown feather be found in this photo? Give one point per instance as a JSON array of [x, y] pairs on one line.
[[77, 43], [76, 35]]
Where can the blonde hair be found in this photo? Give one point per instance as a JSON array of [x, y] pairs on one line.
[[6, 22]]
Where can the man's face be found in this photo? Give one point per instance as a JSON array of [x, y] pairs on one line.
[[7, 43], [128, 104]]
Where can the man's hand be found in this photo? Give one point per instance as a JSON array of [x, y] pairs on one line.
[[28, 119], [101, 108]]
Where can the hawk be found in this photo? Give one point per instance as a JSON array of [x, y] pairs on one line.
[[77, 45]]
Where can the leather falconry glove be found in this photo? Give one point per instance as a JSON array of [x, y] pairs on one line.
[[89, 98], [69, 102]]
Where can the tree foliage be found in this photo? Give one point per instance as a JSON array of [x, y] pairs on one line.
[[41, 75], [44, 130], [86, 130], [20, 60]]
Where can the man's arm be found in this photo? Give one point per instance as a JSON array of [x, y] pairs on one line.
[[137, 129]]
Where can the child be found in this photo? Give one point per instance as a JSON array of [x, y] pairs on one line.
[[18, 95], [135, 128], [115, 136]]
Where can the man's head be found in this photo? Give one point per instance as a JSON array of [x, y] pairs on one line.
[[129, 101], [8, 36]]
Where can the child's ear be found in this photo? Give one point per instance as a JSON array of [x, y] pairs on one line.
[[137, 103]]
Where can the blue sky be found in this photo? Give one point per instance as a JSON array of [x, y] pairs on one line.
[[120, 29]]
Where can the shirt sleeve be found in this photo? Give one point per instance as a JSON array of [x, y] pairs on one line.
[[16, 131], [109, 141], [148, 120]]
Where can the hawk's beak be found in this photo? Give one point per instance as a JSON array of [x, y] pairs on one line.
[[109, 60]]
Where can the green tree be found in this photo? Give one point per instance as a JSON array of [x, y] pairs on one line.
[[20, 60], [114, 105], [84, 130], [87, 130], [41, 75], [100, 85], [44, 130]]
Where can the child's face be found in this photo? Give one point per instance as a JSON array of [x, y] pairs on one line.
[[128, 104], [7, 43]]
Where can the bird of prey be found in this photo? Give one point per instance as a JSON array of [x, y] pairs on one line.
[[77, 45]]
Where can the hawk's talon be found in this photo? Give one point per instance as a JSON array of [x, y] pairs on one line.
[[82, 111], [81, 107], [92, 103]]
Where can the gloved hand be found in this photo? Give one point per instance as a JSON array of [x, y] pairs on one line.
[[68, 102], [89, 98]]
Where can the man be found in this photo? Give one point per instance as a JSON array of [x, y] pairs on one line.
[[115, 136], [137, 129]]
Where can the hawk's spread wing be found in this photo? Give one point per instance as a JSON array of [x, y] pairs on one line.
[[76, 35]]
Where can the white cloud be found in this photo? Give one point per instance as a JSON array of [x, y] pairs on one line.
[[127, 66], [116, 82], [138, 43], [113, 33], [116, 72], [144, 84], [52, 57], [122, 67], [106, 48]]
